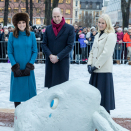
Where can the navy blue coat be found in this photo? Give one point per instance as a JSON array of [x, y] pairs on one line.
[[59, 45]]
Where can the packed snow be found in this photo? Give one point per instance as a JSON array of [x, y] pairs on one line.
[[122, 85], [6, 128]]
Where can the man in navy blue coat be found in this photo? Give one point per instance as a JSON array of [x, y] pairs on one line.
[[57, 43]]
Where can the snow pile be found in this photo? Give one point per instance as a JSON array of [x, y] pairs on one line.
[[122, 85], [70, 106]]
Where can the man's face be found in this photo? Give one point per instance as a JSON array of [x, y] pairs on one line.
[[57, 17], [75, 27]]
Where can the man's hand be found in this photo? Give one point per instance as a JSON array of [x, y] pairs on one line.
[[53, 59]]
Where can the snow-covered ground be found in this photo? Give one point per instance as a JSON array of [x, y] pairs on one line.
[[122, 85], [6, 128]]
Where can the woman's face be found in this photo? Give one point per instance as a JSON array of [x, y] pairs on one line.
[[119, 31], [21, 25], [94, 32], [101, 24]]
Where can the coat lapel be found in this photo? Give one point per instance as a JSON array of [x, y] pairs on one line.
[[61, 31], [102, 36]]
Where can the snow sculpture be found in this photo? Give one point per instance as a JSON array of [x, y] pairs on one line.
[[71, 106]]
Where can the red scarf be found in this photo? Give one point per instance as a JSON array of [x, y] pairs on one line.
[[57, 27]]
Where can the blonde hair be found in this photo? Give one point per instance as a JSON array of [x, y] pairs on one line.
[[109, 28]]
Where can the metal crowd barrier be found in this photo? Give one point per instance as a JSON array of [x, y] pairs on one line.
[[77, 55]]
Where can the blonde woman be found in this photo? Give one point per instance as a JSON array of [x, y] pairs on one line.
[[100, 62]]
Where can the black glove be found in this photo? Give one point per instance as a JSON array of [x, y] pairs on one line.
[[28, 68], [16, 69], [91, 69]]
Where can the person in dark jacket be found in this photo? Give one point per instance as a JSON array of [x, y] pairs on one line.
[[77, 49], [119, 45], [1, 34], [57, 44], [91, 39]]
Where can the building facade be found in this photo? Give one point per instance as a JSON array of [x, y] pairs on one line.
[[76, 11], [105, 4], [114, 11], [38, 10], [93, 8]]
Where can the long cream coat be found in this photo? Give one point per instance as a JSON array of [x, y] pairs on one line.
[[101, 55]]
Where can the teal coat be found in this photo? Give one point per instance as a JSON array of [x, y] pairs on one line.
[[22, 50]]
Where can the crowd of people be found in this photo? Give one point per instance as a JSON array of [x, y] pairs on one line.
[[84, 38], [61, 42]]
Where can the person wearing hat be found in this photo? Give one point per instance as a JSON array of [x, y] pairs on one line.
[[119, 45], [83, 45], [125, 30], [127, 38], [22, 52]]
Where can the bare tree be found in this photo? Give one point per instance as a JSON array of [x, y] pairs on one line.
[[31, 12], [6, 12], [47, 12], [86, 20], [27, 9], [55, 3], [125, 6]]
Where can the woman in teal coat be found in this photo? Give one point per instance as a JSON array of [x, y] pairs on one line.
[[22, 52]]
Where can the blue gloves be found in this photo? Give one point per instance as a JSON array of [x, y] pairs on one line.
[[91, 69]]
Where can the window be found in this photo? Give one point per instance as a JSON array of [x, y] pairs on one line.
[[68, 1], [97, 6], [67, 21], [60, 1], [38, 22], [1, 10], [90, 5], [68, 11], [9, 20], [97, 14], [39, 1], [38, 10], [87, 6], [23, 1], [62, 11], [23, 10], [1, 0], [76, 3], [15, 10], [9, 10], [16, 0], [75, 13], [1, 20]]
